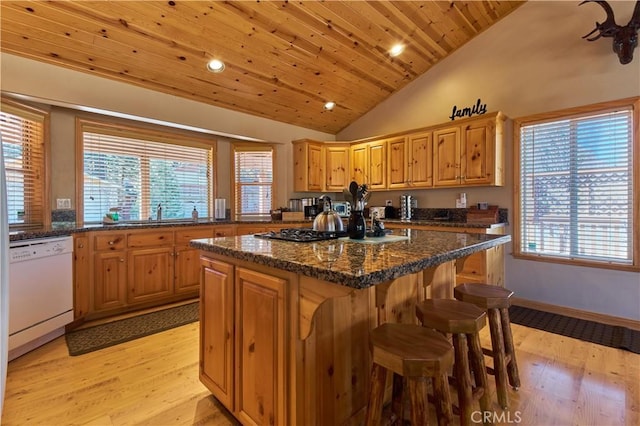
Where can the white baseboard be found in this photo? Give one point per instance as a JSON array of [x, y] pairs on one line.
[[577, 313]]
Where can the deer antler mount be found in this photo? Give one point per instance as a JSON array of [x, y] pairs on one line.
[[625, 39]]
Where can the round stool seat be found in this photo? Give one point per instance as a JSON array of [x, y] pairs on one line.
[[411, 350], [483, 295], [414, 354], [451, 316]]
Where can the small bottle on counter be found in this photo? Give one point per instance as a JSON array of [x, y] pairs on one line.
[[194, 214]]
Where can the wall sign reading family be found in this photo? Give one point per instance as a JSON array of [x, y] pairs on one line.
[[479, 108]]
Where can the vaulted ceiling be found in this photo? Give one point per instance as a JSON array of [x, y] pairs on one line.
[[283, 60]]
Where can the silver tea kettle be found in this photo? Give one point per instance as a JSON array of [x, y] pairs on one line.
[[328, 220]]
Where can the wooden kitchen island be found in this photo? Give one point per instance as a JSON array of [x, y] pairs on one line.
[[284, 326]]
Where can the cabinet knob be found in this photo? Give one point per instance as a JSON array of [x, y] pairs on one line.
[[80, 245], [111, 243], [122, 260]]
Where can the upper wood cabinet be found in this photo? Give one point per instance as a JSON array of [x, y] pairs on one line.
[[410, 163], [308, 171], [336, 167], [470, 153], [369, 164]]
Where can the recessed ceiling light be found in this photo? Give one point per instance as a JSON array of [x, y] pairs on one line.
[[396, 49], [329, 105], [215, 65]]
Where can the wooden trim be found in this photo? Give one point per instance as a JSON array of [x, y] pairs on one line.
[[577, 313]]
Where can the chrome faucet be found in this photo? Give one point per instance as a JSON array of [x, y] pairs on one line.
[[159, 212]]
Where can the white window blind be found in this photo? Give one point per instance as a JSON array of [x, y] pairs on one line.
[[576, 188], [23, 141], [134, 173], [253, 181]]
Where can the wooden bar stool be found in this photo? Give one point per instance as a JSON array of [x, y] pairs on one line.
[[463, 321], [415, 353], [496, 301]]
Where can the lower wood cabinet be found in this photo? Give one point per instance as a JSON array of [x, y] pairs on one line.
[[124, 270], [109, 281], [242, 341], [216, 330], [150, 274], [482, 267]]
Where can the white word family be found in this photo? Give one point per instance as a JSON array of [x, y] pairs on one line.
[[479, 109]]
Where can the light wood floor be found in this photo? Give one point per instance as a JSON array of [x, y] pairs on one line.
[[154, 381]]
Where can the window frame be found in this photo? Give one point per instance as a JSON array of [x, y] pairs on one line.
[[248, 147], [157, 134], [570, 113], [28, 110]]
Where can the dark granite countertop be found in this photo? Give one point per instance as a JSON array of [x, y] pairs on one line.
[[352, 263], [69, 229], [442, 223]]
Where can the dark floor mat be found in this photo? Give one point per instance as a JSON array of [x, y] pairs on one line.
[[589, 331], [104, 335]]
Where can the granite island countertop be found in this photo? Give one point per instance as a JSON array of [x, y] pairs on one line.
[[353, 263]]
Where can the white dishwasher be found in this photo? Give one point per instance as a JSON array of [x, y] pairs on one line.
[[40, 292]]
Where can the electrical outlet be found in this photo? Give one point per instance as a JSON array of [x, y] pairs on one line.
[[388, 203], [63, 203]]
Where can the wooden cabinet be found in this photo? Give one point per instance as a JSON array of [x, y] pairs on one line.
[[337, 167], [470, 153], [110, 280], [369, 164], [483, 267], [118, 271], [109, 287], [243, 334], [359, 163], [217, 331], [447, 156], [308, 171], [410, 163], [150, 274], [187, 259], [149, 265], [260, 347]]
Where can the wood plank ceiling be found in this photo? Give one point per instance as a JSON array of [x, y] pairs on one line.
[[284, 60]]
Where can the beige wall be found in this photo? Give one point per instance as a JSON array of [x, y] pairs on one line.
[[532, 61]]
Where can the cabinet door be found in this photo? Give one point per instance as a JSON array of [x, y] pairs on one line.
[[187, 270], [377, 165], [315, 170], [337, 167], [109, 284], [359, 163], [420, 161], [446, 157], [216, 330], [260, 350], [397, 163], [477, 153], [150, 274], [81, 277]]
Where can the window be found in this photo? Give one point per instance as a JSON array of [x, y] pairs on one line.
[[23, 131], [253, 174], [576, 188], [135, 170]]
